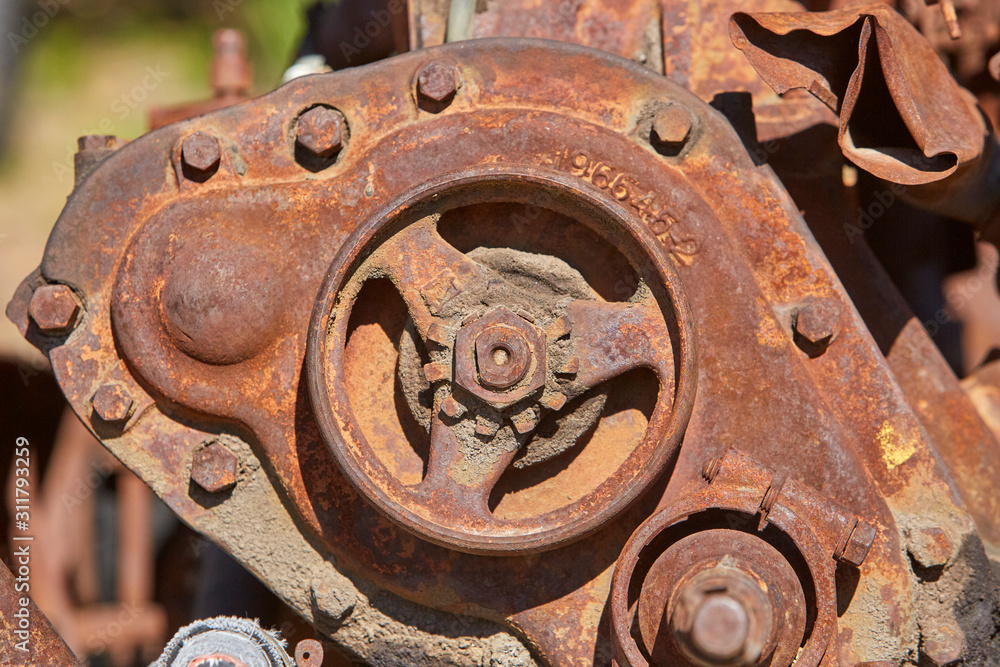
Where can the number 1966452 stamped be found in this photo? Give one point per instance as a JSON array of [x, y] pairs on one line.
[[628, 190]]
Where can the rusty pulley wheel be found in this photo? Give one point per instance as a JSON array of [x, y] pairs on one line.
[[721, 596], [703, 584], [502, 340]]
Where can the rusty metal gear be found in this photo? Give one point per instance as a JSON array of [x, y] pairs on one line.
[[546, 283], [502, 368]]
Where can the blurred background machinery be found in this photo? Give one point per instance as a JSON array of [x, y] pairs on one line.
[[551, 232]]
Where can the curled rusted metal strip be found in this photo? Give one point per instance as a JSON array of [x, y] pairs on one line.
[[902, 116]]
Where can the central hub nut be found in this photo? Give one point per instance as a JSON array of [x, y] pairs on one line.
[[723, 617], [500, 358]]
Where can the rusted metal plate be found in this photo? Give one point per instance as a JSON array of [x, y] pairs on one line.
[[808, 164], [621, 27], [200, 289], [26, 636], [627, 28], [697, 52]]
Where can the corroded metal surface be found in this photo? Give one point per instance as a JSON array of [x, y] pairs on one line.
[[627, 28], [441, 312], [938, 129], [26, 636], [465, 302], [748, 498], [725, 573]]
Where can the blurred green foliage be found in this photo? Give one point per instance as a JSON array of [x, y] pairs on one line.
[[67, 48]]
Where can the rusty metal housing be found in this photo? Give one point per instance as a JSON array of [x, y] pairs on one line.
[[517, 347]]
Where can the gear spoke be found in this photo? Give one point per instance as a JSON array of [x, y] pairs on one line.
[[516, 344], [461, 476], [427, 270], [612, 338]]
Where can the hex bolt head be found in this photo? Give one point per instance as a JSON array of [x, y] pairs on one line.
[[554, 400], [54, 308], [813, 323], [214, 468], [452, 408], [812, 328], [943, 644], [201, 154], [856, 542], [320, 131], [437, 82], [334, 603], [672, 126], [525, 422], [930, 546], [113, 403]]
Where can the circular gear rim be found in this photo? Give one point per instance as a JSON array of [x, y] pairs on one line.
[[333, 415]]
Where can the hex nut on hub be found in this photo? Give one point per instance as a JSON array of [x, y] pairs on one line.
[[500, 358], [214, 468], [54, 308]]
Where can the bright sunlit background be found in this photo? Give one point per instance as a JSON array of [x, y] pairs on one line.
[[69, 66]]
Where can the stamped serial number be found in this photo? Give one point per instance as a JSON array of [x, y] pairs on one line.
[[628, 190]]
